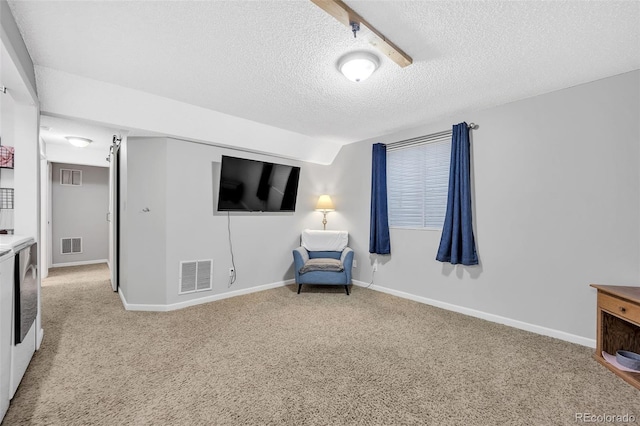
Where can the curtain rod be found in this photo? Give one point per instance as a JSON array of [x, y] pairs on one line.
[[421, 140]]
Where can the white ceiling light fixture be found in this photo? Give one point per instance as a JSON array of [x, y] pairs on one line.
[[358, 66], [77, 141]]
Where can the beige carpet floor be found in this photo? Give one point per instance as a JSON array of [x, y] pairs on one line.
[[318, 358]]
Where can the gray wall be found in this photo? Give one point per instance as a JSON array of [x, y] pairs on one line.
[[80, 211], [143, 234], [178, 182], [556, 203]]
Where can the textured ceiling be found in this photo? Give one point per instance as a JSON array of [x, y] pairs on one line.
[[54, 130], [274, 62]]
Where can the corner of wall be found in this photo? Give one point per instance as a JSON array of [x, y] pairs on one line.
[[17, 50]]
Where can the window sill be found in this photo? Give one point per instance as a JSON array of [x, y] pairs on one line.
[[405, 228]]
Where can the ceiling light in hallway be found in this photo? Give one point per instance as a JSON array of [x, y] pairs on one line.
[[79, 142], [358, 66]]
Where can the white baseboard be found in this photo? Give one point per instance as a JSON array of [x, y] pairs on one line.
[[194, 302], [39, 337], [485, 316], [122, 299], [79, 263]]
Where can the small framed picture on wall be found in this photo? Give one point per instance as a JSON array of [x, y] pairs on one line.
[[6, 157]]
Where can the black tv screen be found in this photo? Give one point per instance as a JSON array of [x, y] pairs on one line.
[[257, 186]]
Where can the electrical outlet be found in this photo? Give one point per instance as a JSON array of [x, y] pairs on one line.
[[231, 272], [355, 263]]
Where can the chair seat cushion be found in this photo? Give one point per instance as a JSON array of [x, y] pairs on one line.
[[322, 264]]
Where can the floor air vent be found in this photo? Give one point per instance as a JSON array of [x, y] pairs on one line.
[[195, 275], [71, 245]]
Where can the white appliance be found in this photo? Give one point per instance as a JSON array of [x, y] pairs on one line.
[[24, 305], [7, 283]]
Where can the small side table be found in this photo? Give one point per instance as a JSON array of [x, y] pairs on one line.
[[618, 325]]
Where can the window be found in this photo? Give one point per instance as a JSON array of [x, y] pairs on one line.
[[418, 181]]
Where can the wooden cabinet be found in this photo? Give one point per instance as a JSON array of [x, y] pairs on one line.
[[618, 326]]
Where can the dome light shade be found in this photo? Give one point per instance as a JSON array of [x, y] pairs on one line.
[[358, 66], [77, 141]]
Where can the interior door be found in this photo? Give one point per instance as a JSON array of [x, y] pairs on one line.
[[112, 215]]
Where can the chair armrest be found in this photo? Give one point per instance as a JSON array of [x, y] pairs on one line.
[[300, 257], [347, 256], [347, 260]]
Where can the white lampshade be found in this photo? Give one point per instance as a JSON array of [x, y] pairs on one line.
[[358, 66], [77, 141], [325, 204]]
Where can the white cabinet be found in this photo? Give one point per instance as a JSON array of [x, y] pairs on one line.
[[6, 326]]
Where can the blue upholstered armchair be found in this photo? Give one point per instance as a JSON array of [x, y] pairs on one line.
[[328, 262]]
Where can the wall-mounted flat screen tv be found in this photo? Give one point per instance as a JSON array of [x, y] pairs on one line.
[[257, 186]]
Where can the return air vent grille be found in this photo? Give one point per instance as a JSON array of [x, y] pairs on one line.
[[71, 245], [70, 177], [195, 275]]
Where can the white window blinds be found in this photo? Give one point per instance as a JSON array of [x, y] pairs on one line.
[[418, 180]]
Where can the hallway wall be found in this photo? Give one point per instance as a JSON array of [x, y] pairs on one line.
[[80, 211]]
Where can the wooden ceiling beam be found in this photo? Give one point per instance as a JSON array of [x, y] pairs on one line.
[[343, 13]]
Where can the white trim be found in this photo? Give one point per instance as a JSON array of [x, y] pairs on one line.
[[79, 263], [199, 301], [50, 241], [39, 337], [122, 299], [413, 228], [562, 335]]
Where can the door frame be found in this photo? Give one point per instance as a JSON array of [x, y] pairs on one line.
[[112, 215]]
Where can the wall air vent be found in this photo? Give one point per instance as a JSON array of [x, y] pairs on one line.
[[70, 177], [71, 245], [195, 275]]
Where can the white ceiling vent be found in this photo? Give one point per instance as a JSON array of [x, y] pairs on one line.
[[71, 245], [70, 177], [195, 275]]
